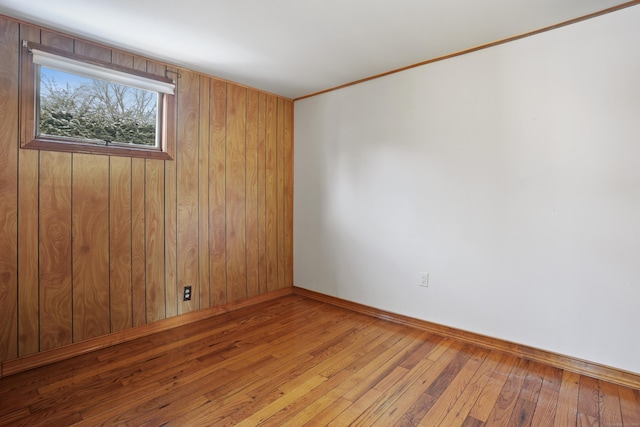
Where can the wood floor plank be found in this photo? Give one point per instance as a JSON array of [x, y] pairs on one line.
[[567, 408], [522, 414], [609, 404], [483, 406], [548, 399], [410, 401], [629, 406], [294, 361], [453, 391], [323, 417], [464, 403], [472, 422], [508, 398], [409, 396], [588, 402], [289, 414]]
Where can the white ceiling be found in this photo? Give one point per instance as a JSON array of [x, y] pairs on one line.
[[297, 47]]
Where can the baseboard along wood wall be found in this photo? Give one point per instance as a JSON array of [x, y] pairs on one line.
[[62, 353], [579, 366]]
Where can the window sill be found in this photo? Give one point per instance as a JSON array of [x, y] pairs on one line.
[[74, 147]]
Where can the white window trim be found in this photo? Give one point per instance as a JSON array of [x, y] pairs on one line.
[[85, 69]]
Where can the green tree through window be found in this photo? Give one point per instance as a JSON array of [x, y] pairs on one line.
[[78, 107]]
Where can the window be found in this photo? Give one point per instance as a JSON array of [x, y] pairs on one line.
[[75, 104]]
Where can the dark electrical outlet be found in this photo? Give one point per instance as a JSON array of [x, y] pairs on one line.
[[186, 293]]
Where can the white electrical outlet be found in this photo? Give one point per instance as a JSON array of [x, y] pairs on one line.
[[424, 280]]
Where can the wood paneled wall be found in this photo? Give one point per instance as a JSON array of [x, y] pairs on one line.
[[91, 245]]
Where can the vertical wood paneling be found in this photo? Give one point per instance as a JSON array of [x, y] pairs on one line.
[[203, 195], [235, 193], [91, 50], [120, 236], [95, 244], [90, 246], [217, 196], [251, 200], [138, 254], [170, 219], [156, 68], [271, 193], [120, 243], [171, 212], [138, 241], [55, 250], [56, 292], [123, 59], [171, 237], [28, 290], [9, 32], [154, 239], [57, 40], [280, 192], [187, 163], [262, 188], [288, 193]]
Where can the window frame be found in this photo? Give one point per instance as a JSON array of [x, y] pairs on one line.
[[30, 139]]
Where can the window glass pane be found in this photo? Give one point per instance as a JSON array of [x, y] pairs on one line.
[[73, 106]]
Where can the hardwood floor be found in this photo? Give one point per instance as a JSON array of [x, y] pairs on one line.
[[295, 361]]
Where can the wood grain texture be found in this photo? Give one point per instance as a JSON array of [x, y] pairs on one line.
[[59, 354], [154, 240], [57, 40], [28, 291], [251, 200], [262, 193], [609, 404], [567, 363], [138, 241], [187, 189], [203, 195], [138, 247], [588, 402], [170, 271], [55, 254], [120, 236], [56, 320], [290, 361], [271, 202], [288, 193], [90, 246], [99, 245], [91, 50], [235, 193], [567, 408], [9, 48], [121, 58], [171, 234], [629, 405], [217, 193], [547, 401], [120, 287], [280, 192]]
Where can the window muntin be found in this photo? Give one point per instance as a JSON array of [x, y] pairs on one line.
[[120, 137]]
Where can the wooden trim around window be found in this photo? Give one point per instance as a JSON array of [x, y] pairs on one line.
[[28, 132]]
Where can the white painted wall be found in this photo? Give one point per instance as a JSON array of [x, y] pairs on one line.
[[511, 175]]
